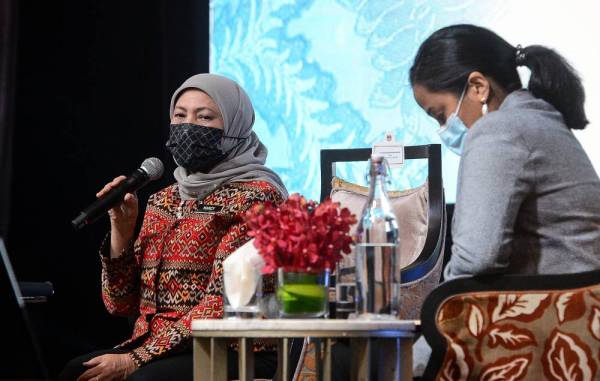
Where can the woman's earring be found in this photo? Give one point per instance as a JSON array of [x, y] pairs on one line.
[[484, 107]]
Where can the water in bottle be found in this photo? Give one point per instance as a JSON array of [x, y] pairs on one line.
[[377, 249]]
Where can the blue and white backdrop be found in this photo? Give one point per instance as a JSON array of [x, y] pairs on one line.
[[333, 73]]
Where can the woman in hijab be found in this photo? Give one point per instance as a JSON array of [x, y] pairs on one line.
[[171, 273]]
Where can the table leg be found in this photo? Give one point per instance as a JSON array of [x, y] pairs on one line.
[[218, 359], [283, 366], [318, 356], [245, 359], [406, 358], [202, 359], [388, 359], [360, 358], [327, 359]]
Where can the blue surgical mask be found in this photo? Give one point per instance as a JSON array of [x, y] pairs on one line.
[[454, 131]]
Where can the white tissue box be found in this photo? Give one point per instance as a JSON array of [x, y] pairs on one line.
[[242, 282]]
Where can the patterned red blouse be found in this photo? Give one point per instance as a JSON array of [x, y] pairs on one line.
[[173, 272]]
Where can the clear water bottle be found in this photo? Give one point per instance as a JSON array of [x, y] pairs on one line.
[[377, 250]]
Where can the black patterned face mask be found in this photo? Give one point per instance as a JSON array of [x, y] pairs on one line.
[[195, 148]]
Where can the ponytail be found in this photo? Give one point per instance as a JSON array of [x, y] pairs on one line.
[[447, 57], [555, 81]]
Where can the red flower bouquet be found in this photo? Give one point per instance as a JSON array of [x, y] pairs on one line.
[[300, 235]]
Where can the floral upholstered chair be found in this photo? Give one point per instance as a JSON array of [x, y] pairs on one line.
[[543, 327]]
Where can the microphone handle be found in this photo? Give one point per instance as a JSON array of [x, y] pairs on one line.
[[99, 207]]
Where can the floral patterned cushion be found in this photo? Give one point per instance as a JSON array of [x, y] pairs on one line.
[[521, 335]]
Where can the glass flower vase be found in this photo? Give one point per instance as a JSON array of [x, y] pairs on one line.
[[302, 294]]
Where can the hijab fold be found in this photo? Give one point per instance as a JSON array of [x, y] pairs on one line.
[[245, 153]]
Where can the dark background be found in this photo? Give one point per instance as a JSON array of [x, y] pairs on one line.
[[84, 93]]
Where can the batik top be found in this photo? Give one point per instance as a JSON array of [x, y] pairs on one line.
[[172, 274]]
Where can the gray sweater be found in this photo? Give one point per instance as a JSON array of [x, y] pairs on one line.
[[528, 198]]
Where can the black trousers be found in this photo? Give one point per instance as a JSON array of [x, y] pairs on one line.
[[178, 366]]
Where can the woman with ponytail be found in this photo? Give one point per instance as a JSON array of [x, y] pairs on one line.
[[528, 198]]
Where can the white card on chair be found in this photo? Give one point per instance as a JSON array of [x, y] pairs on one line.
[[391, 150]]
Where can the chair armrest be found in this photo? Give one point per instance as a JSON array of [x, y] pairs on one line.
[[36, 292]]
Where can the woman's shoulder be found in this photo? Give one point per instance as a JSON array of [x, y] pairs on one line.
[[254, 190], [522, 118], [168, 192], [521, 114], [238, 196], [495, 127]]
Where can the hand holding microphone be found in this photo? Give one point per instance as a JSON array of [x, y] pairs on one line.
[[119, 200], [123, 217]]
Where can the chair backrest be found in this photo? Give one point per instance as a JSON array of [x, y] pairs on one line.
[[433, 246], [422, 274], [514, 327]]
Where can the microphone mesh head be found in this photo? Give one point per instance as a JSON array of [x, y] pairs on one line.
[[153, 167]]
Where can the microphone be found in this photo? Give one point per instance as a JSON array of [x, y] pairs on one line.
[[151, 169]]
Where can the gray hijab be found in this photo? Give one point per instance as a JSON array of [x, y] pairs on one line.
[[245, 154]]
